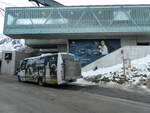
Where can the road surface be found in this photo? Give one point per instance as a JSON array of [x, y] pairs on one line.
[[18, 97]]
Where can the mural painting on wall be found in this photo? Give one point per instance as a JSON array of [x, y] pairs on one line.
[[88, 51]]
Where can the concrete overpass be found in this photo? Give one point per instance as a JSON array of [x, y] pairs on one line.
[[54, 28], [55, 25]]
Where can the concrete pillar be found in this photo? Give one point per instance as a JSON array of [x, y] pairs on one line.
[[62, 48], [128, 41]]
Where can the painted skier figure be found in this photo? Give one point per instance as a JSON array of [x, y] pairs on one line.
[[103, 48]]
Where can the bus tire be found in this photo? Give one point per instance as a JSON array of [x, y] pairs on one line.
[[40, 81]]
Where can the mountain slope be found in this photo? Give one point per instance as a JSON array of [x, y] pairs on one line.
[[9, 44]]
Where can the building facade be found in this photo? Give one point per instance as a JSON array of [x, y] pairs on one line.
[[89, 32]]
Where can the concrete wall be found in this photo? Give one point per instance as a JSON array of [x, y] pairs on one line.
[[132, 52], [18, 57], [9, 67], [133, 40], [128, 42], [62, 48], [143, 39], [61, 41]]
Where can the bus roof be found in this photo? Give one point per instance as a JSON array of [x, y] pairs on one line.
[[47, 54]]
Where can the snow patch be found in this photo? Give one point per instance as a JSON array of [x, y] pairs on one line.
[[9, 44], [82, 82], [137, 76]]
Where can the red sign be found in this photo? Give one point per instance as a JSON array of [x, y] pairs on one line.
[[122, 52]]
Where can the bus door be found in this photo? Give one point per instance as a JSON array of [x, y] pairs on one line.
[[51, 69], [72, 67], [31, 70]]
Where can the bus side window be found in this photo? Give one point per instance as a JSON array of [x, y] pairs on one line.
[[53, 69]]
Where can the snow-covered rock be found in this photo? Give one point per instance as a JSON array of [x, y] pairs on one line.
[[9, 44], [138, 75]]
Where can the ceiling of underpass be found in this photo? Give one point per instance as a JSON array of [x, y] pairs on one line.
[[44, 43]]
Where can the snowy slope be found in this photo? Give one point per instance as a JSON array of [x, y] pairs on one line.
[[9, 44], [139, 74]]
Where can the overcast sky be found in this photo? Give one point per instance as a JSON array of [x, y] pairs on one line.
[[20, 3]]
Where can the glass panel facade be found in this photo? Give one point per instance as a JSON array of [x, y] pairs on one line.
[[90, 19]]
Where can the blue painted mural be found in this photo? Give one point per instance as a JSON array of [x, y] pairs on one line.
[[88, 51]]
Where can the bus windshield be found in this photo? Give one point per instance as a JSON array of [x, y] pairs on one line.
[[23, 65]]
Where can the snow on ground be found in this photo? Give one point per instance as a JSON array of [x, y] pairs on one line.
[[82, 82], [9, 44], [137, 76]]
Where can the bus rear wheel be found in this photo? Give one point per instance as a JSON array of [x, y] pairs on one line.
[[40, 81]]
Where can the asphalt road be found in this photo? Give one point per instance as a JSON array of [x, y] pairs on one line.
[[18, 97]]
